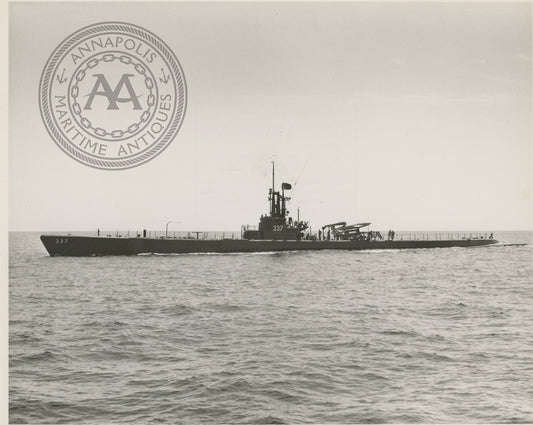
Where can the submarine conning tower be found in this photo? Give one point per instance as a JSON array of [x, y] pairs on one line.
[[277, 225]]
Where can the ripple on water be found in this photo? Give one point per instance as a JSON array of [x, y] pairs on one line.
[[320, 337]]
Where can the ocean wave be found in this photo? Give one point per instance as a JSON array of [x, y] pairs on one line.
[[308, 337]]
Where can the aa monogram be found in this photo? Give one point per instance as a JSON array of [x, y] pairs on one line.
[[113, 95]]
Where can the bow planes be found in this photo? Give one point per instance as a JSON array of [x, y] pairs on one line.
[[277, 231]]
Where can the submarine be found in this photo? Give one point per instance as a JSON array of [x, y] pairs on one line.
[[276, 231]]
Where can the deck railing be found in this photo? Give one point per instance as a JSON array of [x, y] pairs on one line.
[[441, 235], [211, 235], [419, 236], [162, 234]]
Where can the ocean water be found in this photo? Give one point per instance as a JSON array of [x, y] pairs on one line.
[[437, 335]]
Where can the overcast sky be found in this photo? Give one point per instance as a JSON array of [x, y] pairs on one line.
[[410, 116]]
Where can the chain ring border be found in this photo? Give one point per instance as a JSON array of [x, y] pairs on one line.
[[73, 113]]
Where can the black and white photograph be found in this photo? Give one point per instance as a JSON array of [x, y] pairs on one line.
[[269, 212]]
